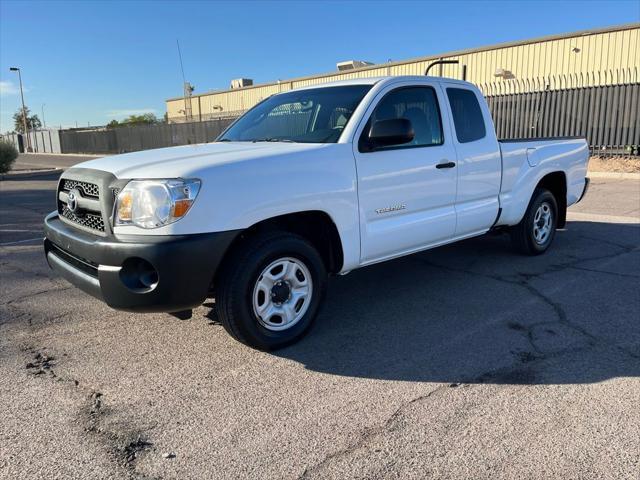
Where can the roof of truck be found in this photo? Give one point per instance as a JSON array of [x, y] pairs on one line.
[[375, 80]]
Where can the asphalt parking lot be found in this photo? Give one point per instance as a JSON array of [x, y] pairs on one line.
[[467, 361]]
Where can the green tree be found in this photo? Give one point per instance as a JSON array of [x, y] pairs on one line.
[[33, 122], [132, 120], [145, 119]]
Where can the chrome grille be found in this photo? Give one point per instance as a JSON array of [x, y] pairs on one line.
[[88, 189], [89, 219], [94, 222]]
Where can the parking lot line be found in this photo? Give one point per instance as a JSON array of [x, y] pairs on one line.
[[7, 244]]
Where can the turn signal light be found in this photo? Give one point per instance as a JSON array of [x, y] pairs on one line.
[[125, 202]]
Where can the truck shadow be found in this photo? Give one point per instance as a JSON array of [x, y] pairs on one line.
[[478, 312]]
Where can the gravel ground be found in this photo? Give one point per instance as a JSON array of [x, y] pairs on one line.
[[467, 361], [615, 164]]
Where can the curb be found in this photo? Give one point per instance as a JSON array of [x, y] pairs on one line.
[[31, 174], [619, 175]]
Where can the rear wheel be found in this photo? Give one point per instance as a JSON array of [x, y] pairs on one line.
[[535, 232], [270, 290]]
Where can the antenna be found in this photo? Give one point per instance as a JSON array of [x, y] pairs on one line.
[[180, 57], [186, 87]]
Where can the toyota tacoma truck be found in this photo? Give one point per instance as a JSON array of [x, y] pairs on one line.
[[308, 183]]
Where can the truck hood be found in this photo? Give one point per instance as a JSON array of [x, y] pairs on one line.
[[188, 160]]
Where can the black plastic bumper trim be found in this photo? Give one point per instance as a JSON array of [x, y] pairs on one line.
[[186, 265], [77, 277]]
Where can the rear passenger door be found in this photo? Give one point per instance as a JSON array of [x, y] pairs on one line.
[[478, 159], [406, 192]]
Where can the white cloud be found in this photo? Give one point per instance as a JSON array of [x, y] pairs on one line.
[[8, 88], [127, 112]]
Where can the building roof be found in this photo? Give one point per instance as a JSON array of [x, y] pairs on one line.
[[548, 38]]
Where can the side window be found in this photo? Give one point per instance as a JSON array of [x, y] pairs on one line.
[[417, 104], [467, 116]]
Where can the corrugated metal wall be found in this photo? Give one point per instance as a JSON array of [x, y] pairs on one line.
[[583, 54]]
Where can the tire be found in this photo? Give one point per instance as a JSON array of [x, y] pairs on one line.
[[535, 232], [251, 290]]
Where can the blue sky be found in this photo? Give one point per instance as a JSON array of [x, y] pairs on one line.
[[90, 62]]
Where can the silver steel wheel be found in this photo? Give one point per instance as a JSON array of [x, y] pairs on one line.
[[282, 294], [542, 222]]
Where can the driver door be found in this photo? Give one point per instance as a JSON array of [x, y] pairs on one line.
[[406, 192]]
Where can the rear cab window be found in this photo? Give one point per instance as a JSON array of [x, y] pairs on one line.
[[467, 115]]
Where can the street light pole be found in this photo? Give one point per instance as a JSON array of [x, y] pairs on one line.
[[44, 123], [24, 110]]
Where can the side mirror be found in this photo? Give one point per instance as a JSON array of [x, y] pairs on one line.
[[394, 131]]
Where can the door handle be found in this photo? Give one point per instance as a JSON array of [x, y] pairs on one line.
[[446, 165]]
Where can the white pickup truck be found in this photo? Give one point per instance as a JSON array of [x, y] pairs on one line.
[[310, 182]]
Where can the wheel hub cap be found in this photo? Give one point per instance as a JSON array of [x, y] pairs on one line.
[[542, 222], [282, 294]]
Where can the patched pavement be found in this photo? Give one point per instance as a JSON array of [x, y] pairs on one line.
[[467, 361]]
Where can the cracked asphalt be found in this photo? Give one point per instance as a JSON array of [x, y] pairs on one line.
[[467, 361]]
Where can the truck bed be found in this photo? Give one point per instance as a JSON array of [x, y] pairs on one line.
[[526, 160]]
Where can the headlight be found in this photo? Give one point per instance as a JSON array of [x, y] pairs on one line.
[[154, 203]]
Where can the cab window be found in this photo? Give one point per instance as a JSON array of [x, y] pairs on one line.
[[467, 115], [419, 105]]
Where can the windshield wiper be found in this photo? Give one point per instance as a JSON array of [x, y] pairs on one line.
[[223, 140], [270, 139]]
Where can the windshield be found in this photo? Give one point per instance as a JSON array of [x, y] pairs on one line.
[[315, 115]]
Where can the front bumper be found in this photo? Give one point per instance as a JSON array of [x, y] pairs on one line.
[[104, 266]]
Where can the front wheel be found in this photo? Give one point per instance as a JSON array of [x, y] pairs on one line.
[[270, 290], [535, 232]]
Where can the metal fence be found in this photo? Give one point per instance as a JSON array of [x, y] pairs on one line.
[[40, 141], [606, 115], [45, 141], [141, 137]]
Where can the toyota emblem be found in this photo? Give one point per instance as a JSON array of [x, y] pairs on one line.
[[72, 200]]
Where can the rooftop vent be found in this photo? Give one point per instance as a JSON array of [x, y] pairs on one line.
[[352, 65], [241, 82]]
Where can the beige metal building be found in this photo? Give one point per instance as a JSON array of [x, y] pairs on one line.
[[607, 56]]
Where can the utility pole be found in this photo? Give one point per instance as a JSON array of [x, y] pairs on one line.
[[24, 110], [44, 123]]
